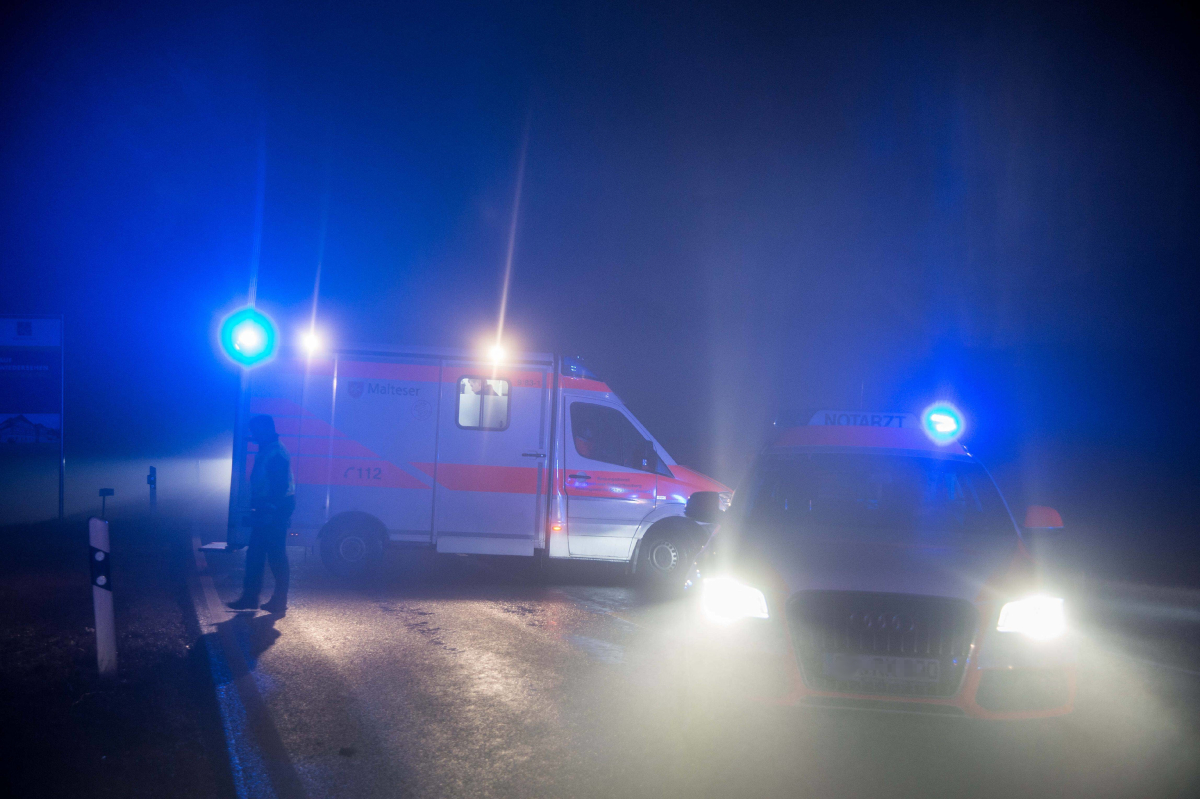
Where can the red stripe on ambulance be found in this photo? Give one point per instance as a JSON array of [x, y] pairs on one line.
[[583, 383], [366, 472], [478, 477], [516, 379]]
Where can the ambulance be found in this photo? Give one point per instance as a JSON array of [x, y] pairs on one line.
[[869, 561], [532, 455]]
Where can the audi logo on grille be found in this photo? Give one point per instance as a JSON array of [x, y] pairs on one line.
[[882, 622]]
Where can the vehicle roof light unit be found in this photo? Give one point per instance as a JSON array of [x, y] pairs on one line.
[[942, 422], [248, 337]]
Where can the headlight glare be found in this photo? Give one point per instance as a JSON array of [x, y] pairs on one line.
[[1040, 617], [726, 600]]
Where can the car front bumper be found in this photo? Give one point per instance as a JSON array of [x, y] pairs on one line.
[[1006, 676]]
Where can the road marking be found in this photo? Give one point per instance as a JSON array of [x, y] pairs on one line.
[[257, 757]]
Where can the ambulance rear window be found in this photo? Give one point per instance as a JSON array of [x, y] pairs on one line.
[[482, 403]]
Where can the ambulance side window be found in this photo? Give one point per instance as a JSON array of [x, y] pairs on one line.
[[604, 434], [482, 404]]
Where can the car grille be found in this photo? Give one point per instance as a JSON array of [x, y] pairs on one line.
[[827, 624]]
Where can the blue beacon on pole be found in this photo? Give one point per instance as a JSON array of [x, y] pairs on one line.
[[248, 337]]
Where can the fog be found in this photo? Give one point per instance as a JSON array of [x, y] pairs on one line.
[[728, 212]]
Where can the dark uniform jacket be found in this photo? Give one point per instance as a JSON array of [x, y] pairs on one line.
[[272, 487]]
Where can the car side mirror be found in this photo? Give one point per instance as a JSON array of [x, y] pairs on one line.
[[1039, 517], [704, 506]]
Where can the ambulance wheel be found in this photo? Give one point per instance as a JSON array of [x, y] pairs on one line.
[[666, 553], [351, 544]]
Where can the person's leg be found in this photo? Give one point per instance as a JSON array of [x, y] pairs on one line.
[[277, 555], [256, 555]]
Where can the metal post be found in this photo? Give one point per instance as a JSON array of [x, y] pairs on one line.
[[102, 599], [105, 493], [152, 481]]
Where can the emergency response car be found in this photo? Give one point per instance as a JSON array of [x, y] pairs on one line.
[[869, 561], [440, 448]]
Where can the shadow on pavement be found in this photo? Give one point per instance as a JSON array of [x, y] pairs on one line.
[[253, 634]]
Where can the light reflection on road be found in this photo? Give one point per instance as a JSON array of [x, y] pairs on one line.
[[455, 677]]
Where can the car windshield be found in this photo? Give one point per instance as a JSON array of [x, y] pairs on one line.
[[876, 495]]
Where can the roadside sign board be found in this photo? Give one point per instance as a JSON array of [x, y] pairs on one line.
[[30, 380], [31, 386]]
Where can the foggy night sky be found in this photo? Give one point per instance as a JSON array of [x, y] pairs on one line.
[[726, 211]]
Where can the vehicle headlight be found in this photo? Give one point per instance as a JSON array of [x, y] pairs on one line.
[[1038, 617], [725, 600], [723, 499]]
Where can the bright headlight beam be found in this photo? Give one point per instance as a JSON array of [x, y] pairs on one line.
[[725, 600], [1040, 617]]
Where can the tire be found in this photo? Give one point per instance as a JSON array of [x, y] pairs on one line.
[[351, 544], [666, 553]]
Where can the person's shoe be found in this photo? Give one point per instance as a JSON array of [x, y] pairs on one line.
[[275, 607], [243, 603]]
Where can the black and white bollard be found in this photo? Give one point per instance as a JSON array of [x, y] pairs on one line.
[[102, 599]]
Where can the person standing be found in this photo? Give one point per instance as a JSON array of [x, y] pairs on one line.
[[272, 500]]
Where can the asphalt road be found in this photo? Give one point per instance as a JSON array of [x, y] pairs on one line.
[[451, 677]]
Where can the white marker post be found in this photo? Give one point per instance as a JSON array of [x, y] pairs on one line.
[[106, 634]]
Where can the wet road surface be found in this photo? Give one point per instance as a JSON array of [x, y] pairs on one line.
[[447, 676]]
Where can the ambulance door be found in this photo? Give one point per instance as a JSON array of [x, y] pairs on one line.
[[609, 481], [383, 423], [491, 470]]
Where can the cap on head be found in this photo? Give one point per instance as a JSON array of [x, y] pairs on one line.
[[262, 427]]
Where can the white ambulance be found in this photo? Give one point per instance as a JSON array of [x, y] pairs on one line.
[[532, 456]]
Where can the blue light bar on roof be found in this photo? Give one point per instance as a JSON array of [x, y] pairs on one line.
[[942, 422]]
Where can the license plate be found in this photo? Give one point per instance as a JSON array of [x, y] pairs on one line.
[[876, 668]]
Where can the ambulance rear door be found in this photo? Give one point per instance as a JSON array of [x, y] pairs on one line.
[[383, 421], [353, 424], [491, 474]]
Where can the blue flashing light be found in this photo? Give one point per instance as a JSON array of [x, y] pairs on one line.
[[942, 423], [248, 337]]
